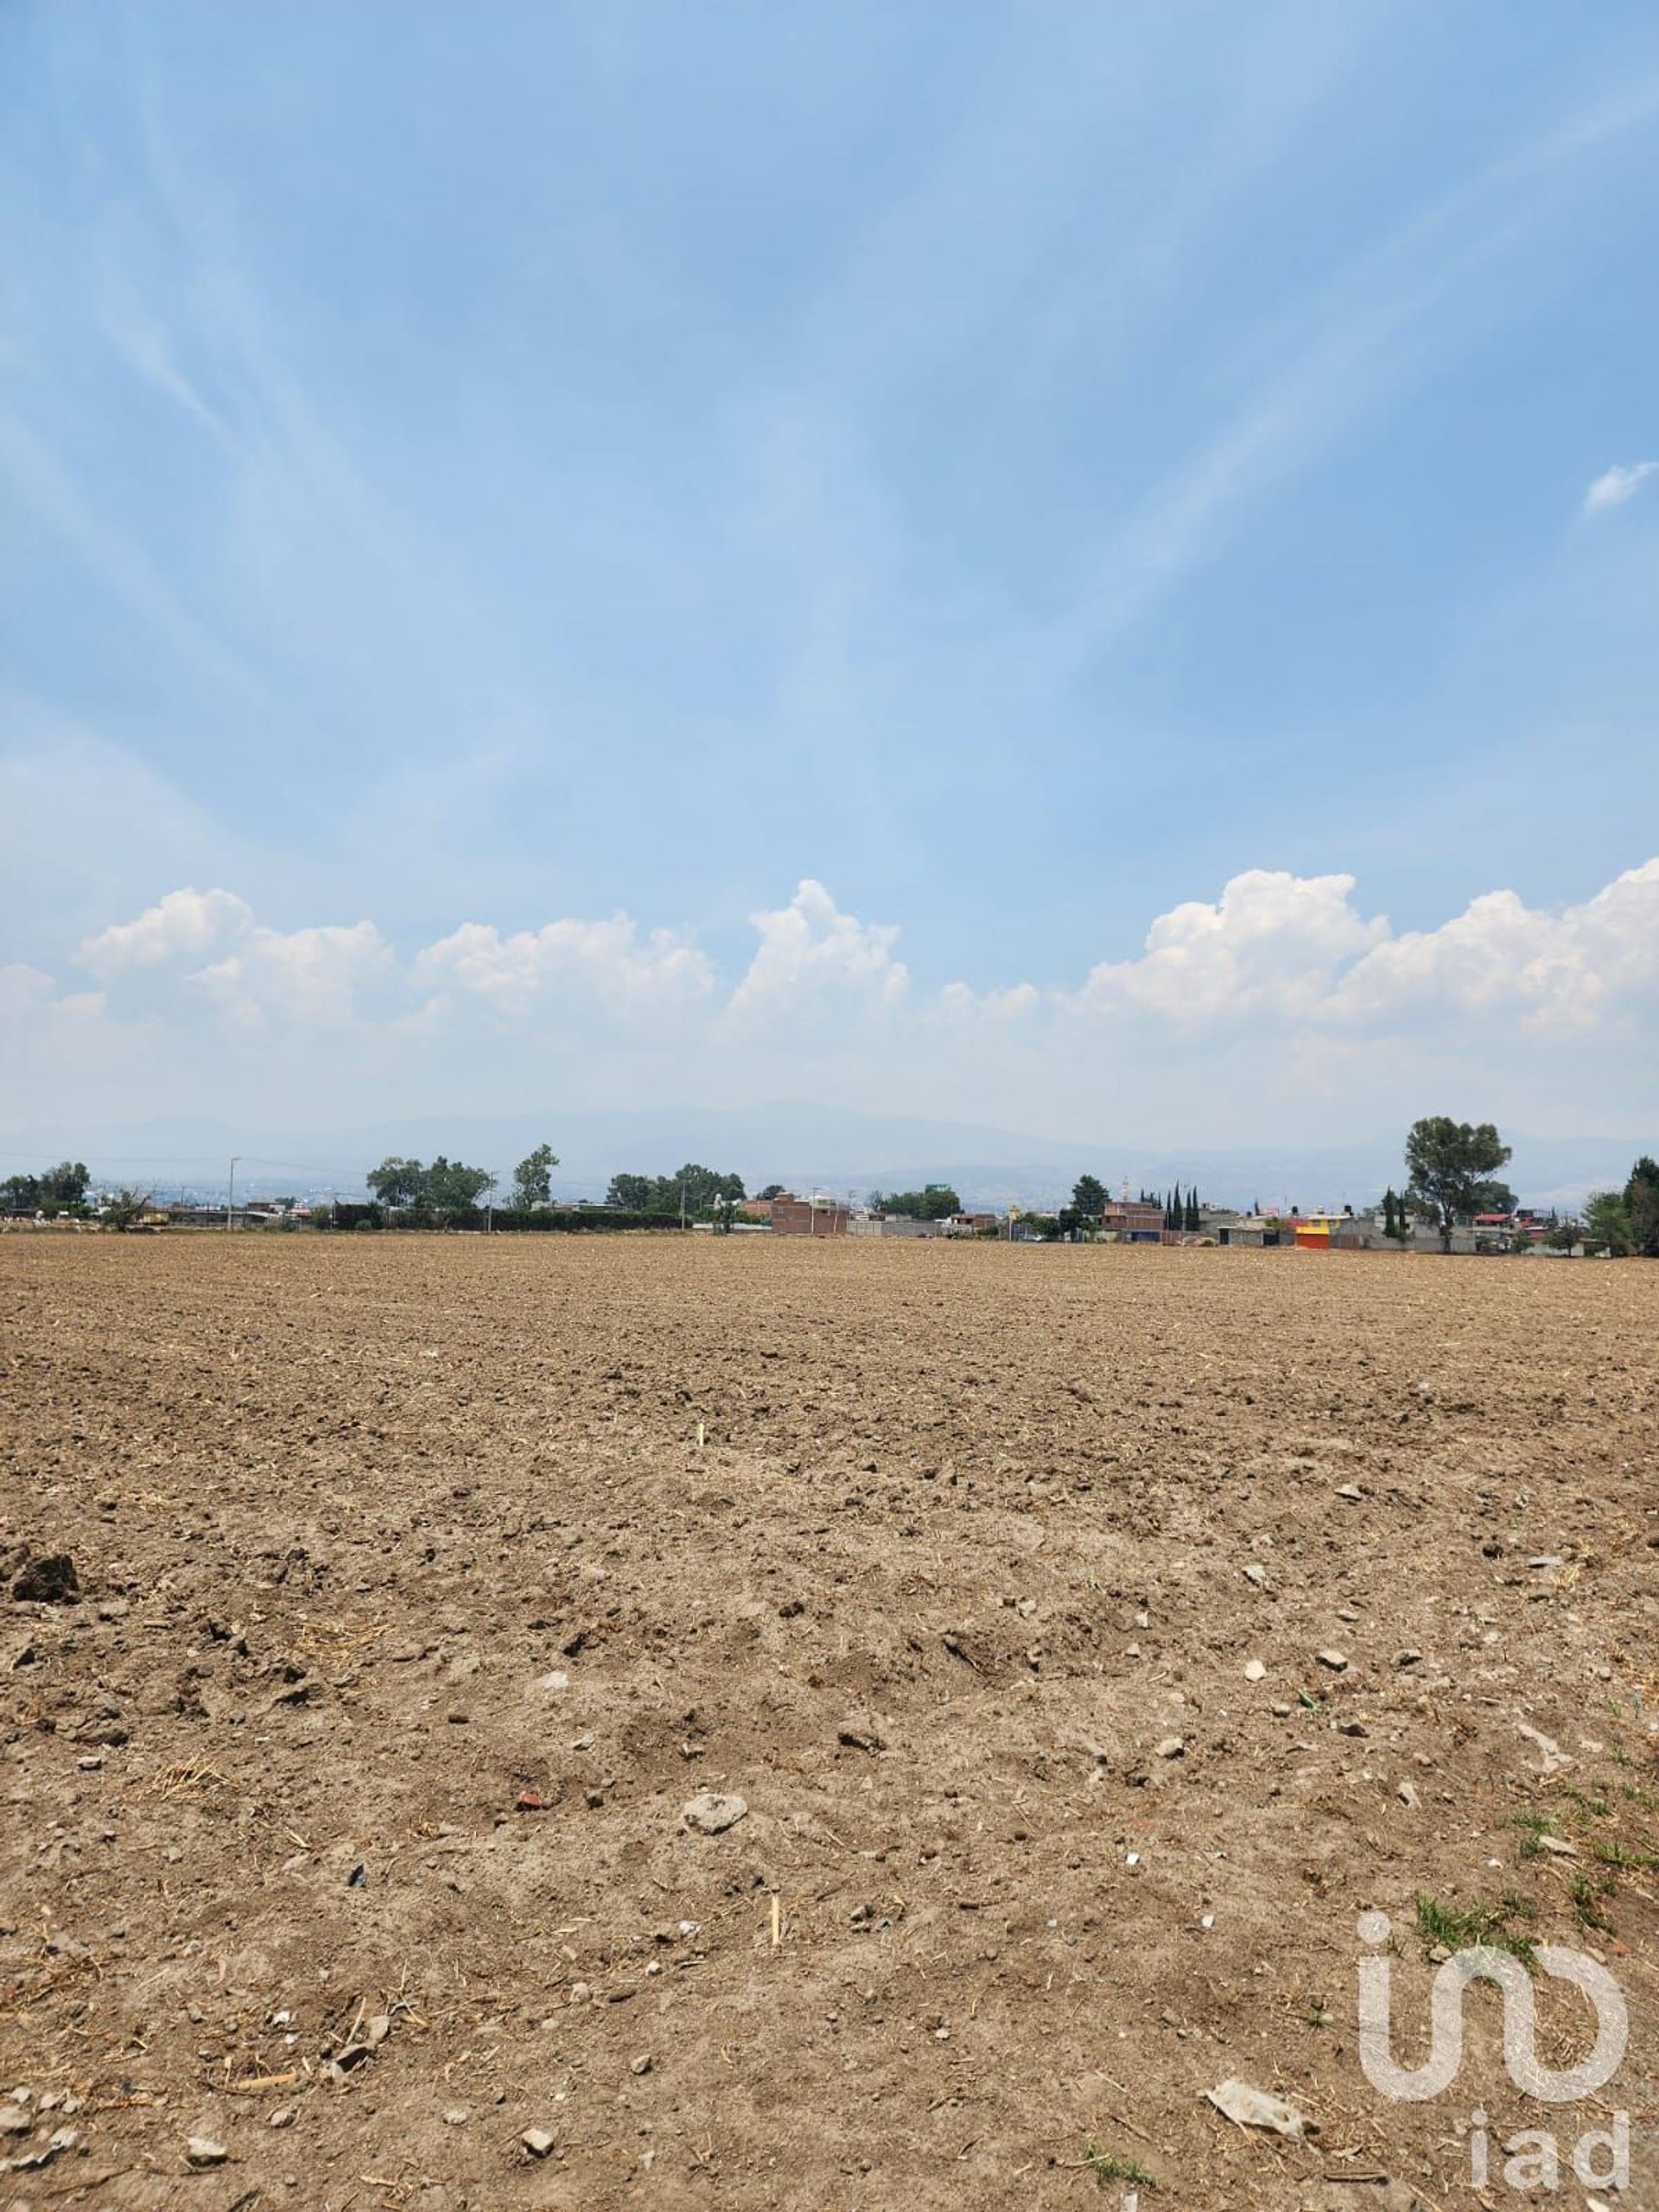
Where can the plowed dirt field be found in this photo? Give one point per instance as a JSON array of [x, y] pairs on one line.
[[1093, 1635]]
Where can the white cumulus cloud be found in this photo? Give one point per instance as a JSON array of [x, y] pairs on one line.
[[1272, 942], [300, 975], [1501, 955], [810, 950], [185, 924], [608, 962]]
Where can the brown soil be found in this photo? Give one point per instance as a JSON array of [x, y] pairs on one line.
[[423, 1581]]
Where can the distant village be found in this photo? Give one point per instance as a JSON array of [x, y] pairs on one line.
[[1175, 1220], [1455, 1201]]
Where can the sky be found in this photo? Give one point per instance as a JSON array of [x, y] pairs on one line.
[[1091, 569]]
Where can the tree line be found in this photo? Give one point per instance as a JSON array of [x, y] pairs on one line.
[[695, 1192], [61, 1189]]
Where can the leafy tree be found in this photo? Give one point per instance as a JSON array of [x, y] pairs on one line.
[[702, 1186], [450, 1187], [1492, 1197], [1607, 1224], [1563, 1235], [532, 1178], [1450, 1164], [932, 1204], [66, 1183], [694, 1187], [1641, 1204], [20, 1194], [1194, 1219], [776, 1190], [398, 1182], [1089, 1196]]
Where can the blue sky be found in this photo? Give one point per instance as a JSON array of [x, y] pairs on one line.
[[1015, 472]]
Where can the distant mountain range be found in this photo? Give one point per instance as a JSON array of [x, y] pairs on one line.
[[803, 1147]]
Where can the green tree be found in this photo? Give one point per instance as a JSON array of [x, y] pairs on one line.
[[1194, 1218], [1607, 1224], [450, 1187], [532, 1178], [1089, 1198], [631, 1193], [398, 1182], [1641, 1204], [932, 1204], [693, 1187], [700, 1186], [66, 1183], [1491, 1196], [1450, 1164], [20, 1194], [776, 1190]]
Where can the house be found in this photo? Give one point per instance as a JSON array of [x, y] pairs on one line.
[[1133, 1221], [813, 1217]]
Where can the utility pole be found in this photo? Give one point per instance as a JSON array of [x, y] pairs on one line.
[[230, 1199]]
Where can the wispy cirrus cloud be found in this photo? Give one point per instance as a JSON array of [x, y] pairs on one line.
[[1618, 483]]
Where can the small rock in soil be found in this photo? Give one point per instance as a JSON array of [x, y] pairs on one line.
[[201, 2150], [537, 2141], [1335, 1660], [711, 1813], [1257, 2108]]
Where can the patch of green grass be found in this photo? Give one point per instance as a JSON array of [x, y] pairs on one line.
[[1444, 1927], [1534, 1828], [1596, 1805], [1106, 2166], [1612, 1852], [1644, 1798]]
